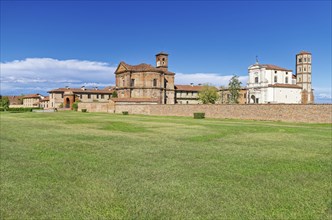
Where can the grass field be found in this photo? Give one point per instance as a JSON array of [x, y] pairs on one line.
[[72, 165]]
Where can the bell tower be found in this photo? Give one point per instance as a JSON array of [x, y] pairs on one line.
[[303, 76], [162, 60]]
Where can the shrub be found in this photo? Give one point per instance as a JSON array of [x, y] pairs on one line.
[[2, 109], [199, 115], [125, 113], [75, 106], [84, 110]]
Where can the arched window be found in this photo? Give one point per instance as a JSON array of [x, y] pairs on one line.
[[256, 79], [286, 80], [275, 79], [154, 82]]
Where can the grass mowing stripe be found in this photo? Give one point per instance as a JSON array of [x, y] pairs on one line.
[[69, 165]]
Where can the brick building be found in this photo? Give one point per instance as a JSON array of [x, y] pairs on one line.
[[145, 83], [65, 97]]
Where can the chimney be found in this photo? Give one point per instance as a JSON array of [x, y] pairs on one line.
[[96, 88], [192, 84], [83, 87], [199, 84]]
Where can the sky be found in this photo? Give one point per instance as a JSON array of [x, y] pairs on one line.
[[52, 44]]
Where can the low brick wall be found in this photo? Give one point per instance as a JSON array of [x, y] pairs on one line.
[[317, 113], [96, 107]]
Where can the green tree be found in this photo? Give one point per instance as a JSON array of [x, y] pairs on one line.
[[114, 94], [75, 105], [234, 87], [208, 95], [5, 102]]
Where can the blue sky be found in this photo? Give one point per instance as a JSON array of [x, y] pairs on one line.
[[51, 44]]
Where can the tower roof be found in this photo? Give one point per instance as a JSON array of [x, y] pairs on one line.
[[162, 53], [304, 52]]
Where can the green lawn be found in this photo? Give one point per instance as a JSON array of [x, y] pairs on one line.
[[73, 165]]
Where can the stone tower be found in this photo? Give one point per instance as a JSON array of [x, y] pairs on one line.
[[162, 60], [303, 76]]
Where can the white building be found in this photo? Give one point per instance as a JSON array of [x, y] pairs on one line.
[[272, 84]]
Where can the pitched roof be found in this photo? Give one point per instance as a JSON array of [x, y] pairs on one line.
[[135, 99], [162, 53], [188, 88], [107, 90], [46, 99], [31, 96], [304, 52], [274, 67], [285, 86], [15, 100], [143, 67]]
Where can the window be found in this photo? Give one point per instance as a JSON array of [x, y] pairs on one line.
[[102, 96], [304, 69], [186, 93], [89, 96], [132, 82], [286, 73], [245, 95], [300, 60], [299, 79], [305, 59], [308, 59], [97, 96], [154, 82], [286, 80], [275, 72], [61, 95], [275, 79], [256, 79], [80, 96]]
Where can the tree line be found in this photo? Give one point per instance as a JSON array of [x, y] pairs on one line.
[[209, 94]]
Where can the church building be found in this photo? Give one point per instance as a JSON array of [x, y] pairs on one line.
[[145, 83], [273, 84]]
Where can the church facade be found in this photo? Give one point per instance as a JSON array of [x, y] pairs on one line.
[[145, 83], [273, 84]]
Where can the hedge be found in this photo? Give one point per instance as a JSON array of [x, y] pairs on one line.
[[199, 115], [19, 109]]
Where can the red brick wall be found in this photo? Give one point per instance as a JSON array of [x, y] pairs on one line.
[[318, 113]]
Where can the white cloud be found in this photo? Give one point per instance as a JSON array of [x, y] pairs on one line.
[[323, 95], [211, 78], [43, 74]]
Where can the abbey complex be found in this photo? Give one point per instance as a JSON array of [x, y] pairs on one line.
[[148, 84]]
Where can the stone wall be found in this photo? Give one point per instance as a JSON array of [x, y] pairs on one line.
[[96, 107], [318, 113]]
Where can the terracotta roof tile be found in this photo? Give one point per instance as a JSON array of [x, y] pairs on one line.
[[15, 100], [143, 67], [37, 96], [188, 88], [274, 67], [304, 52], [46, 99]]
